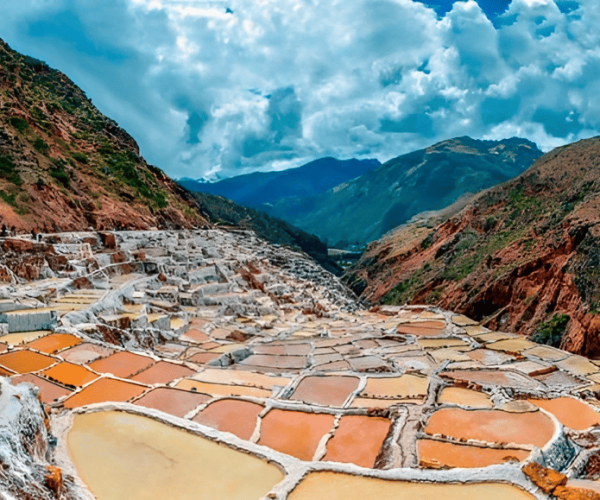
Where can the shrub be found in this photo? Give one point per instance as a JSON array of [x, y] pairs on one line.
[[8, 171], [61, 176], [551, 332], [20, 124], [80, 157], [40, 145]]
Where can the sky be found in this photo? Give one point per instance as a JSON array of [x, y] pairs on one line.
[[212, 89]]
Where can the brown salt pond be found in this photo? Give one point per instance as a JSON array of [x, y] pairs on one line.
[[338, 486], [405, 386], [49, 391], [327, 391], [423, 328], [270, 361], [85, 352], [25, 361], [357, 440], [121, 364], [220, 376], [489, 377], [496, 426], [570, 412], [121, 456], [3, 347], [221, 389], [294, 432], [173, 401], [69, 374], [195, 335], [231, 415], [203, 357], [464, 397], [163, 372], [55, 342], [104, 390], [434, 454]]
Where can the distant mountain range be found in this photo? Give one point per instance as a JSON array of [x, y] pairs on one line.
[[263, 188], [371, 198]]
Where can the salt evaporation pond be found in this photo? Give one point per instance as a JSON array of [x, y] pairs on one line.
[[122, 456]]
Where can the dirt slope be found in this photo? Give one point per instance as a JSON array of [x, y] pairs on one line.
[[65, 166], [522, 257]]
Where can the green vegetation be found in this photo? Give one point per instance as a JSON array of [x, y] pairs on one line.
[[123, 167], [20, 124], [402, 293], [81, 157], [60, 175], [551, 332], [40, 146], [8, 198], [8, 171]]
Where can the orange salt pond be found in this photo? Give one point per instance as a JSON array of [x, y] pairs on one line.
[[495, 426], [338, 486], [55, 342], [357, 440], [231, 415], [49, 392], [104, 390], [25, 361], [69, 374], [570, 412], [172, 401], [85, 352], [434, 454], [162, 372], [294, 432], [121, 364], [221, 389], [121, 456], [327, 391]]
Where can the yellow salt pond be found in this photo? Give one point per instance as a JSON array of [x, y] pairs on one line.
[[22, 337], [337, 486], [121, 456], [464, 397]]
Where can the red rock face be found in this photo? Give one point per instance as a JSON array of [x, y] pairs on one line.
[[513, 258]]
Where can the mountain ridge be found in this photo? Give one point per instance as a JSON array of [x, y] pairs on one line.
[[522, 256], [366, 207], [65, 166]]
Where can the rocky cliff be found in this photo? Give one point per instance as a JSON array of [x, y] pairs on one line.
[[65, 166], [522, 257]]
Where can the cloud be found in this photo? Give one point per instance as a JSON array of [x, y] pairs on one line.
[[220, 87]]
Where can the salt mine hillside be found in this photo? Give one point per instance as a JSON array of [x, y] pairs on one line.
[[157, 345], [522, 257], [152, 364]]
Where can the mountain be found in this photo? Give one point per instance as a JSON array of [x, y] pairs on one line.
[[65, 166], [521, 257], [261, 188], [365, 208], [223, 211]]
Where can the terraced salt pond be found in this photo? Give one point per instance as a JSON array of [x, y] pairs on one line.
[[121, 456], [336, 486]]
